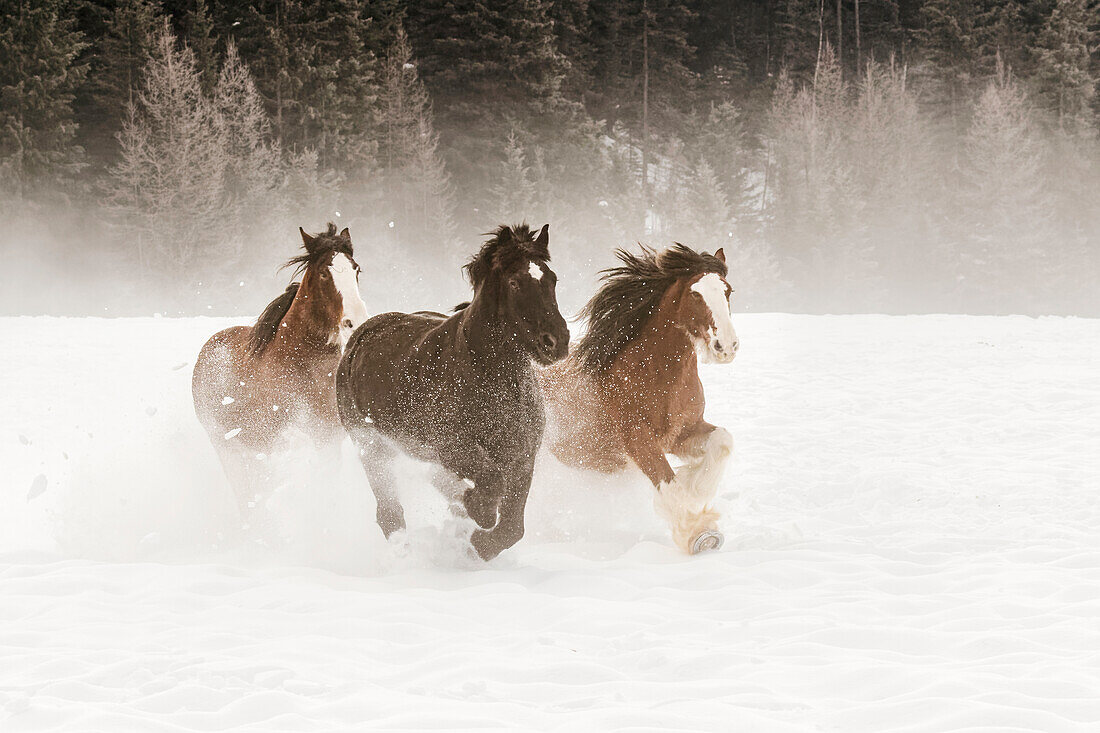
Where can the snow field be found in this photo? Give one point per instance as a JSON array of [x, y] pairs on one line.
[[912, 526]]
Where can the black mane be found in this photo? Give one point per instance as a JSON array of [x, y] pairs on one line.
[[508, 245], [267, 325], [319, 247], [630, 294]]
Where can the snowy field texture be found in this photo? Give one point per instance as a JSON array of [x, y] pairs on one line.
[[913, 544]]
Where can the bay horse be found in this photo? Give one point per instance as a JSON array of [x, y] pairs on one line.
[[459, 390], [255, 387], [630, 391]]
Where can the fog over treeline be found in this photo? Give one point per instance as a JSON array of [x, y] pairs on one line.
[[849, 155]]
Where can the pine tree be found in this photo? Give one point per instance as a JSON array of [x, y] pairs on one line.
[[168, 187], [115, 75], [513, 194], [416, 181], [488, 68], [1007, 205], [197, 31], [403, 102], [38, 78], [1065, 74], [254, 177], [815, 214], [483, 62], [896, 179], [951, 39], [316, 71], [707, 221], [626, 31], [572, 27]]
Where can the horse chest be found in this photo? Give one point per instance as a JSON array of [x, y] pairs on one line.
[[505, 418]]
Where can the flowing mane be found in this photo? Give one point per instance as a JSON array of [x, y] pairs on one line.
[[267, 325], [630, 295], [507, 244], [320, 245]]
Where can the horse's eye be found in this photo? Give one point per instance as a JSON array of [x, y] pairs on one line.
[[696, 294], [513, 284]]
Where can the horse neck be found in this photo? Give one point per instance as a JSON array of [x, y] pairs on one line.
[[666, 344], [309, 318], [481, 333]]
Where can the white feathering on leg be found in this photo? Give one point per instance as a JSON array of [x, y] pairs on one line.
[[704, 474], [684, 501]]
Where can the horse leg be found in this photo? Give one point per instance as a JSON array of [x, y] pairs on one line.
[[454, 490], [377, 456], [512, 491], [694, 527], [705, 449]]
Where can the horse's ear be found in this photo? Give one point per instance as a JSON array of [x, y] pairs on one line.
[[346, 235], [306, 239], [542, 241], [721, 255]]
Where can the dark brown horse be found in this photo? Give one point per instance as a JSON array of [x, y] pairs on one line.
[[256, 387], [459, 391], [630, 391]]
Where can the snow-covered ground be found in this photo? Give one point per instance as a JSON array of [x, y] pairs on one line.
[[913, 544]]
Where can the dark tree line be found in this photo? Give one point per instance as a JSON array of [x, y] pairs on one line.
[[851, 154]]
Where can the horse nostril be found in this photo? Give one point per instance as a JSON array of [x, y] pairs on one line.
[[347, 323], [718, 345], [547, 342]]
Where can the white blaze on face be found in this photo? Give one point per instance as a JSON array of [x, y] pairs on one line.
[[355, 311], [713, 289], [534, 270]]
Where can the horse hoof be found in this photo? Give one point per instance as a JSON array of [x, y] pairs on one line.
[[707, 541]]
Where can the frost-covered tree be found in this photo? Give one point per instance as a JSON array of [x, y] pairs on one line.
[[168, 188], [254, 175], [512, 192], [403, 103], [895, 177], [417, 186], [721, 140], [38, 78], [814, 214], [1006, 215], [705, 220]]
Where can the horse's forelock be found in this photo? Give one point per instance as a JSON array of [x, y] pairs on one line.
[[319, 246], [506, 247]]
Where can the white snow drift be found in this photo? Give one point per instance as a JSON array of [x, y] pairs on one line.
[[913, 544]]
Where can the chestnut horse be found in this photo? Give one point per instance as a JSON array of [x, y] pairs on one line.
[[630, 391], [459, 391], [255, 387]]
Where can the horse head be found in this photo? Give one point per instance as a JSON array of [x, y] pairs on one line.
[[702, 307], [330, 282], [513, 280]]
